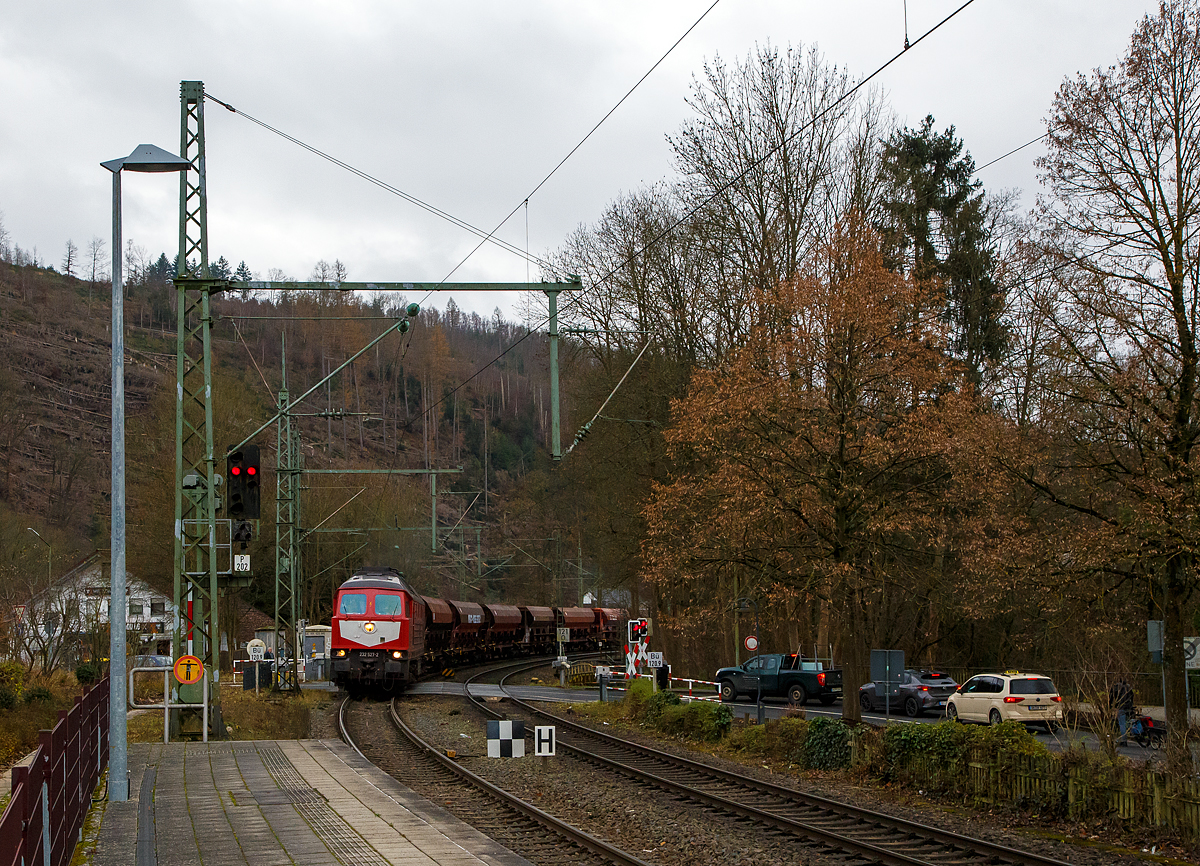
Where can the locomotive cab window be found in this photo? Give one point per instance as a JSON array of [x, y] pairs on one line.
[[353, 603], [389, 604]]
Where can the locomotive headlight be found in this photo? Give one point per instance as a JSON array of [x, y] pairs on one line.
[[395, 654], [341, 653], [368, 627]]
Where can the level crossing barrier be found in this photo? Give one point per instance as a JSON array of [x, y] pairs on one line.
[[692, 685], [51, 796]]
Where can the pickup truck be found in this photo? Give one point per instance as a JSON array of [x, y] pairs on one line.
[[781, 676]]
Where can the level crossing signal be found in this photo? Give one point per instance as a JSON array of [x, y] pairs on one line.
[[243, 473], [638, 630]]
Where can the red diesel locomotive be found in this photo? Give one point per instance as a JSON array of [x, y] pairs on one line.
[[385, 633]]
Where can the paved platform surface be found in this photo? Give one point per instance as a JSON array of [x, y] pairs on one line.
[[273, 802]]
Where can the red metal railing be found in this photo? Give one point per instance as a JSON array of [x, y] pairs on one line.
[[50, 797]]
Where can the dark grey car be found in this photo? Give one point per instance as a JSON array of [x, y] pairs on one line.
[[920, 691]]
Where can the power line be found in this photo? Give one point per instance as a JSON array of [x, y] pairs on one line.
[[654, 240], [384, 185], [599, 123], [1011, 152]]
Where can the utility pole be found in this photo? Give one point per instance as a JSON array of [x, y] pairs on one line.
[[196, 588], [198, 577], [287, 520]]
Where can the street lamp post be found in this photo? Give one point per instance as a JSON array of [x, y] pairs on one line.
[[744, 604], [49, 555], [146, 158]]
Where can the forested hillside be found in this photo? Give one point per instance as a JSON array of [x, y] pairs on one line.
[[410, 403]]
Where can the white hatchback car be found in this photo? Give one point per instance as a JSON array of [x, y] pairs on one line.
[[1010, 696]]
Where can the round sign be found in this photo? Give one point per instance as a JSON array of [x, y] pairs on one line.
[[257, 650], [188, 670], [751, 642]]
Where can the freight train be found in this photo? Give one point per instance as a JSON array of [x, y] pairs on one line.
[[385, 633]]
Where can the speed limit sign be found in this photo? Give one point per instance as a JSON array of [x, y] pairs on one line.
[[751, 642]]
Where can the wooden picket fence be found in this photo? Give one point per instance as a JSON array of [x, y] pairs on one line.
[[1139, 796], [50, 797]]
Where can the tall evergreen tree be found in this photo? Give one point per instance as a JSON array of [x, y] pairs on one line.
[[243, 274], [936, 228]]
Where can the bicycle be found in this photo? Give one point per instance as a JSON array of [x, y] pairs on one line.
[[1146, 732]]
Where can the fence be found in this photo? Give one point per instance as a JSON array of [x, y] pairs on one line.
[[1138, 796], [50, 797]]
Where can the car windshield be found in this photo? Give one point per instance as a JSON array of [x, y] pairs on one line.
[[1032, 686], [389, 604], [353, 603]]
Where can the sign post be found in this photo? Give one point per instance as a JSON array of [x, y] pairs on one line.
[[257, 650], [188, 671], [543, 741], [886, 667]]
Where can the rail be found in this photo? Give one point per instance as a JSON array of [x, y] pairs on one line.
[[51, 796]]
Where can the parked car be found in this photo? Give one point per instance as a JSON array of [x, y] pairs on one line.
[[919, 691], [781, 676], [1010, 696], [154, 661]]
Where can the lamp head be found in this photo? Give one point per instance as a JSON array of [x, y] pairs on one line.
[[148, 157]]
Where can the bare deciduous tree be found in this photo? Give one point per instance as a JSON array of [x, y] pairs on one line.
[[1123, 218]]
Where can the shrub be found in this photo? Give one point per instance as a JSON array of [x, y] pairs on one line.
[[699, 720], [12, 676], [827, 746], [637, 694], [8, 698], [87, 673], [783, 739], [657, 703], [39, 694]]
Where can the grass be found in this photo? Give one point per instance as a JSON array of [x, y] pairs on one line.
[[266, 716]]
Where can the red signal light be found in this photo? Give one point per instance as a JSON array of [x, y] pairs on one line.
[[250, 470], [235, 470]]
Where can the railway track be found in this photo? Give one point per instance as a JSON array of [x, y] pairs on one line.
[[525, 829], [790, 816]]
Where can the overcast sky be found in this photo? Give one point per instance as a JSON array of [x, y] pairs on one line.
[[466, 105]]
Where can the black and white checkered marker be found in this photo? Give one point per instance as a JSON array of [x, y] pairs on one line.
[[506, 739]]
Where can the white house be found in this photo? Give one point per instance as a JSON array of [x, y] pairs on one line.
[[69, 621]]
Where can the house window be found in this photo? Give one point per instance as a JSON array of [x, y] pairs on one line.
[[158, 608], [135, 608]]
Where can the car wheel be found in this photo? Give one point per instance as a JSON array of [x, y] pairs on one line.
[[994, 717], [864, 701], [798, 696], [952, 713], [727, 692], [911, 708]]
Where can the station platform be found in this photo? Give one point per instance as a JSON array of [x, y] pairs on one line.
[[275, 802]]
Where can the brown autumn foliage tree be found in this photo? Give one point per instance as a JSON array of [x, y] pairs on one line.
[[1122, 218], [814, 463]]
